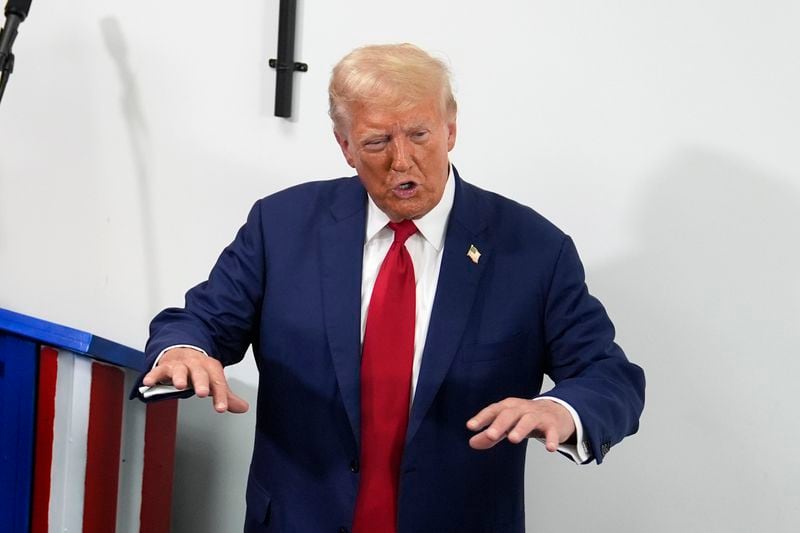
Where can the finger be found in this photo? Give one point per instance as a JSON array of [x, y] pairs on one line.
[[179, 374], [526, 427], [219, 390], [485, 417], [199, 376], [481, 441], [152, 377], [532, 425], [160, 374], [496, 432], [502, 424]]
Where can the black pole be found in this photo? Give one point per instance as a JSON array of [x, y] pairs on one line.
[[285, 65], [16, 11]]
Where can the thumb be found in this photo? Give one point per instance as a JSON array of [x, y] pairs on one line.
[[237, 404]]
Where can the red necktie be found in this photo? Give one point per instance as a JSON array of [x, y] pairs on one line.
[[386, 361]]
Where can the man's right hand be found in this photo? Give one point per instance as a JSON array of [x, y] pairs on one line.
[[184, 368]]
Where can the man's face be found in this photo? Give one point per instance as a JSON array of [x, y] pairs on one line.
[[400, 156]]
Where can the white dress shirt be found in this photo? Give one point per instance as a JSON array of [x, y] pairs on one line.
[[425, 248]]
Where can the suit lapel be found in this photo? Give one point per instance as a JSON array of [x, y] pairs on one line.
[[459, 278], [342, 246]]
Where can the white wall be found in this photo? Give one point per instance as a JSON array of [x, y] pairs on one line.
[[662, 135]]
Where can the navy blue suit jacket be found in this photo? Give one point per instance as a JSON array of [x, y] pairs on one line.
[[290, 285]]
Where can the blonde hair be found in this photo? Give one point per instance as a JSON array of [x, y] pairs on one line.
[[388, 75]]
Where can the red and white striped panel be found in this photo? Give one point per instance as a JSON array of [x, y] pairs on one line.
[[103, 463]]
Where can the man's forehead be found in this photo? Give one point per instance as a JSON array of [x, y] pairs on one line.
[[415, 122], [375, 116]]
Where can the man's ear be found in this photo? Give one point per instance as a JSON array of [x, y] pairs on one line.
[[451, 133], [344, 144]]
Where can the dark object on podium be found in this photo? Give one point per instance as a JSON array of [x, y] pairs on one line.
[[16, 11], [285, 65]]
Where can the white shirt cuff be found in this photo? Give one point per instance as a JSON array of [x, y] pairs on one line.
[[166, 388], [580, 452]]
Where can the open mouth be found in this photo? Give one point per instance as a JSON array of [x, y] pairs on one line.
[[405, 190]]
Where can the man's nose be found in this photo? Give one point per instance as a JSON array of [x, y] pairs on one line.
[[401, 155]]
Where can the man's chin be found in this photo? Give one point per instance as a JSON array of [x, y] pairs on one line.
[[405, 210]]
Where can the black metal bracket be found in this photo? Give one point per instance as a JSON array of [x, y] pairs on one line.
[[285, 66], [297, 67]]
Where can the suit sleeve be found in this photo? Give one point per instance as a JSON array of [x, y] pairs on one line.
[[221, 315], [589, 369]]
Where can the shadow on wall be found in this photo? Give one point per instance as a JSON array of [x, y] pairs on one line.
[[709, 305], [133, 115]]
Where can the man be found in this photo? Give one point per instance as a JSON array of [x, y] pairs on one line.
[[401, 321]]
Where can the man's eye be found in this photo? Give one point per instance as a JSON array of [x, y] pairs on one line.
[[419, 135], [375, 143]]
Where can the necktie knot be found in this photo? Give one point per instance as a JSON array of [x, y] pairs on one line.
[[403, 230]]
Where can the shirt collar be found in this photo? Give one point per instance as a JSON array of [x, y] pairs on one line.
[[431, 226]]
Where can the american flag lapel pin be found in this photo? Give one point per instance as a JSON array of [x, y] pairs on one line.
[[473, 254]]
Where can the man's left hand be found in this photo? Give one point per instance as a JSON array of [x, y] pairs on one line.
[[517, 419]]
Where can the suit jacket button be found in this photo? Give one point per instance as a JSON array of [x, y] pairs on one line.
[[343, 530], [354, 466]]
